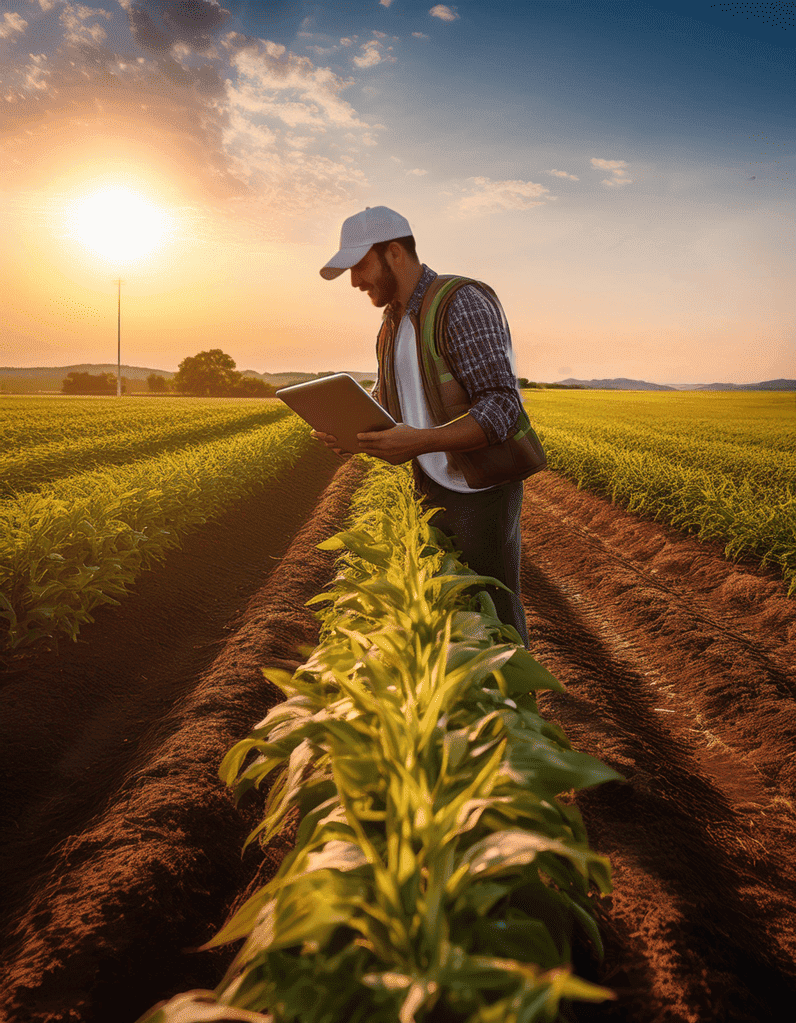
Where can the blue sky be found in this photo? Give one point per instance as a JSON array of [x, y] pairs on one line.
[[622, 174]]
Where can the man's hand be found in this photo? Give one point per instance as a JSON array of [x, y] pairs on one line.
[[402, 442], [331, 442], [396, 445]]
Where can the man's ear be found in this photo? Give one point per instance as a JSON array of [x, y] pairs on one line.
[[396, 251]]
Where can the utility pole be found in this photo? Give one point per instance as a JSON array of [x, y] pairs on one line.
[[119, 283]]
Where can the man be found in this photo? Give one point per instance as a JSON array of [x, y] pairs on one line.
[[378, 247]]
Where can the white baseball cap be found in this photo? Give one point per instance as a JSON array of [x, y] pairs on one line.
[[360, 233]]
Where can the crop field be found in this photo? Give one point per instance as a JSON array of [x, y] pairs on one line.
[[82, 518], [721, 465], [213, 628]]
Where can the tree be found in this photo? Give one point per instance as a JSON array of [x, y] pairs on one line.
[[157, 384], [252, 387], [208, 374], [88, 383]]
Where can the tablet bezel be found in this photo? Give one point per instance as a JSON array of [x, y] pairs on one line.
[[337, 405]]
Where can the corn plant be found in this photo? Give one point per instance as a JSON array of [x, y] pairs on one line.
[[719, 466], [85, 540], [435, 875], [143, 431]]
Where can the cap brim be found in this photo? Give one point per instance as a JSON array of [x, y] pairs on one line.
[[344, 260]]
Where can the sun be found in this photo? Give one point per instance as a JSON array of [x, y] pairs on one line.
[[119, 225]]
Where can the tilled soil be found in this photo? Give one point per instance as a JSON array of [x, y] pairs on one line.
[[680, 670], [121, 848]]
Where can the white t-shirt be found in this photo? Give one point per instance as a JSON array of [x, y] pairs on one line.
[[415, 410]]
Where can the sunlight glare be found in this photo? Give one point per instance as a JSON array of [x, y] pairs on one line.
[[118, 224]]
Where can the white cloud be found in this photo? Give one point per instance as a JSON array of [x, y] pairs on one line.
[[36, 72], [251, 122], [418, 173], [385, 3], [258, 136], [77, 32], [290, 88], [12, 23], [298, 141], [608, 164], [420, 35], [443, 12], [372, 53], [619, 176], [563, 174], [482, 195], [307, 155], [345, 41]]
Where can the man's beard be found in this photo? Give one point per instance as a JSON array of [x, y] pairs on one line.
[[386, 288]]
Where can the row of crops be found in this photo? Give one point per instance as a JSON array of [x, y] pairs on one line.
[[92, 492], [435, 874], [42, 440], [720, 465], [104, 489]]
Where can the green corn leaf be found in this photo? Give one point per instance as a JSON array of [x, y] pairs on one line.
[[335, 855], [361, 544], [522, 673], [506, 850], [524, 940], [547, 767], [201, 1007]]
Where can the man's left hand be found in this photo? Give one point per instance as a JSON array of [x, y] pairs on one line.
[[396, 445]]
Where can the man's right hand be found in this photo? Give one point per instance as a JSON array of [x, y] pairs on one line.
[[331, 442]]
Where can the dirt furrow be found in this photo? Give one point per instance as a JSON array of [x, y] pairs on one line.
[[654, 648], [105, 921], [718, 640]]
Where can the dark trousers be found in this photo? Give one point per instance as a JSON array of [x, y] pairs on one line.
[[485, 527]]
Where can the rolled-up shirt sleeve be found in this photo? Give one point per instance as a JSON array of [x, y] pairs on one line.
[[479, 350]]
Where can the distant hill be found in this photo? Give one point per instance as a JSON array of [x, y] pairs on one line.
[[34, 379], [30, 380], [617, 384], [48, 379], [35, 372], [287, 378], [622, 384], [766, 385]]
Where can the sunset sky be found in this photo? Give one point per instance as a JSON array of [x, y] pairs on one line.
[[622, 174]]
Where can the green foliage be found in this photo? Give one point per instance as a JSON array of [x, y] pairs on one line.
[[157, 383], [252, 387], [435, 873], [90, 383], [213, 374], [208, 374], [85, 539], [719, 465], [47, 439]]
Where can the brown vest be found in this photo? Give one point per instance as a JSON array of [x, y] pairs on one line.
[[518, 456]]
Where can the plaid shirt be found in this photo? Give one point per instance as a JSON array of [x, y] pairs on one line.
[[479, 350]]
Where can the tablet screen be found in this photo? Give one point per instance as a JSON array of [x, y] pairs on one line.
[[338, 405]]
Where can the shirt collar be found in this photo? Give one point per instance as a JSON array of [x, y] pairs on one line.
[[416, 299]]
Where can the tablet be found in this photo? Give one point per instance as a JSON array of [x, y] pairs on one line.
[[338, 405]]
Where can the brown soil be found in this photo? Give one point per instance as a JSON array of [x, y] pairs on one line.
[[121, 848], [680, 673]]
